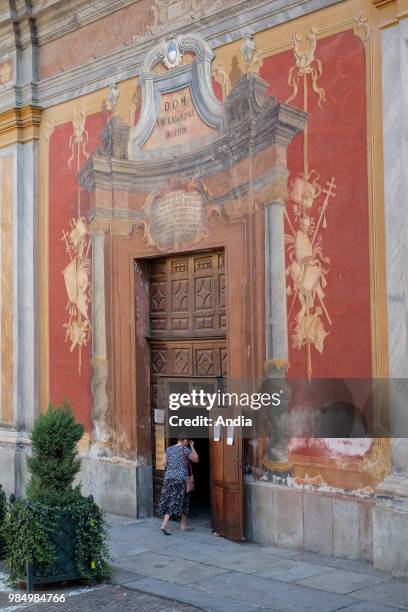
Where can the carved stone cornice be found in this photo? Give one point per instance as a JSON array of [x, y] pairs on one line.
[[222, 154], [381, 3], [20, 124], [53, 18], [397, 10]]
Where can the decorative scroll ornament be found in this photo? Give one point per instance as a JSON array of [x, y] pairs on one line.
[[306, 64], [361, 27], [77, 273], [251, 55]]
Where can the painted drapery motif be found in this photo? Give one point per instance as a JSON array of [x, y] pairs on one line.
[[77, 274]]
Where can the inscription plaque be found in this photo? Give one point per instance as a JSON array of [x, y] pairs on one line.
[[176, 215], [177, 122]]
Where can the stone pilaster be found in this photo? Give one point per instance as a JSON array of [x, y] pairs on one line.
[[101, 434], [390, 515], [19, 299]]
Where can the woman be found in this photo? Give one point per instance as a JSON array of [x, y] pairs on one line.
[[174, 498]]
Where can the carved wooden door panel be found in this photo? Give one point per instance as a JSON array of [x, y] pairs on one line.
[[187, 296]]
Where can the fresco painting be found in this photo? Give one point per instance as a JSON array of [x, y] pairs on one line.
[[326, 213]]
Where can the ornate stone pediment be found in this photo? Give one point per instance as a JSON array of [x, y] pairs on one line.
[[179, 106], [237, 149]]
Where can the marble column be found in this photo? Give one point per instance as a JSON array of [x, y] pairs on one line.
[[390, 517], [101, 434]]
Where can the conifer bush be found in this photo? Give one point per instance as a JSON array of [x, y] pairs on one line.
[[3, 511], [54, 462], [29, 524]]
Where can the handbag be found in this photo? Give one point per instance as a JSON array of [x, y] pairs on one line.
[[189, 477]]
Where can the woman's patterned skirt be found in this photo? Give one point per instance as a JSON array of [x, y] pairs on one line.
[[174, 499]]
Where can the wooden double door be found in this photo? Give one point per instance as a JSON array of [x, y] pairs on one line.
[[188, 345]]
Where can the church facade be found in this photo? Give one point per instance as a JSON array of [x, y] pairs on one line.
[[210, 196]]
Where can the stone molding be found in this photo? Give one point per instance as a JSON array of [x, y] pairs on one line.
[[394, 485], [11, 437], [20, 124]]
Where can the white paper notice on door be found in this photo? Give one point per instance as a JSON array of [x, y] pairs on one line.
[[230, 435], [217, 433]]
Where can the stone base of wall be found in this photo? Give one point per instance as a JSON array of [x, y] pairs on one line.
[[14, 447], [390, 526], [118, 486], [327, 523]]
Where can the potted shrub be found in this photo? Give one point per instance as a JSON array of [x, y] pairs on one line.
[[55, 534]]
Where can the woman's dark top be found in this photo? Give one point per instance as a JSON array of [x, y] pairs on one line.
[[177, 468]]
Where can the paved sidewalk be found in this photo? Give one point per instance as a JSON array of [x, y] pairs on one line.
[[215, 574]]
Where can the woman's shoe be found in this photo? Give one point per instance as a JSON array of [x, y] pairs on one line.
[[165, 531], [186, 528]]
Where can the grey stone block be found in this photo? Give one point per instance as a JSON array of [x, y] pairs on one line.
[[122, 577], [360, 567], [393, 593], [318, 523], [144, 483], [339, 581], [13, 469], [273, 594], [365, 606], [288, 517], [248, 512], [399, 527], [189, 595], [346, 528], [291, 570], [260, 520], [179, 571], [382, 537], [366, 530], [113, 484]]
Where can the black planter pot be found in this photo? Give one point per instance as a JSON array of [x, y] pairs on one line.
[[64, 568]]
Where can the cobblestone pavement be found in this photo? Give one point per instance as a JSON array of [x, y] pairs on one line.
[[108, 597], [197, 571]]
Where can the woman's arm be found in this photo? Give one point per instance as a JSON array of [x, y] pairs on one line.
[[193, 455], [164, 460]]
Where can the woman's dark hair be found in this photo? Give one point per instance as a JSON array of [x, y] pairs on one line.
[[182, 436]]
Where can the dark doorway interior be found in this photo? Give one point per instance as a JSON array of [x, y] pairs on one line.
[[200, 499]]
